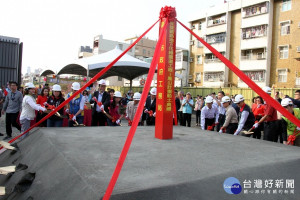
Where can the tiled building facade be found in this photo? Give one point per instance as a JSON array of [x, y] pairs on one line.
[[260, 37]]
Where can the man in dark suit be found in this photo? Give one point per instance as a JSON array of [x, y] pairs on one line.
[[151, 106], [98, 116]]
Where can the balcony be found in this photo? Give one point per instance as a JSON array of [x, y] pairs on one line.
[[255, 10], [216, 20], [254, 43]]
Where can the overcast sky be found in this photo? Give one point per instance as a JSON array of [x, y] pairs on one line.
[[52, 31]]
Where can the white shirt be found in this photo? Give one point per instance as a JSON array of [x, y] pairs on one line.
[[99, 100], [210, 114], [28, 107], [244, 117]]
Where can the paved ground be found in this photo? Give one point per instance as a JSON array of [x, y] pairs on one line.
[[77, 163], [15, 132]]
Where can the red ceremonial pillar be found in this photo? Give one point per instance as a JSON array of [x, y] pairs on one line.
[[165, 76]]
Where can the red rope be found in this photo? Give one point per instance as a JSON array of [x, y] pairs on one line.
[[86, 85], [247, 80], [136, 119]]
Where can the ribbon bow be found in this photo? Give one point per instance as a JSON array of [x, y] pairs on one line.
[[291, 139], [98, 103], [150, 112]]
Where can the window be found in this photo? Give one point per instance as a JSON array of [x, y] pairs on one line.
[[199, 26], [282, 75], [185, 57], [258, 76], [198, 78], [298, 78], [120, 46], [199, 59], [285, 28], [284, 52], [216, 38], [254, 32], [286, 5], [211, 58], [144, 51], [212, 21], [119, 78], [256, 10], [213, 76]]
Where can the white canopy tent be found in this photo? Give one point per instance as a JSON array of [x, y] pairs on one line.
[[127, 67]]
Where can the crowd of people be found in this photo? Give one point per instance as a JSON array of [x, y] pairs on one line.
[[215, 112], [224, 114]]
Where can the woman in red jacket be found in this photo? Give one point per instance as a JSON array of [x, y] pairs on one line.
[[41, 100], [258, 112]]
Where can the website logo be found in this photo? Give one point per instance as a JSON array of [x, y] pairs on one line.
[[232, 186]]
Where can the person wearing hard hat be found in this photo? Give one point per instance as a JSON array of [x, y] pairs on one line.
[[55, 100], [115, 114], [132, 107], [209, 115], [102, 97], [28, 108], [150, 107], [246, 117], [187, 110], [42, 100], [231, 119], [221, 109], [258, 110], [269, 120], [76, 106], [129, 96], [291, 133], [12, 106]]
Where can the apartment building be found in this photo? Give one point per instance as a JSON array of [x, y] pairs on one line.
[[257, 36], [144, 48]]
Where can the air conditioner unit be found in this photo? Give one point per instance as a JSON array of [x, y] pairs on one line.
[[190, 76], [192, 42], [298, 48], [191, 59]]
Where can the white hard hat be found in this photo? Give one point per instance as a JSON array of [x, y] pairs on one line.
[[286, 102], [225, 99], [75, 86], [137, 96], [209, 99], [267, 89], [153, 91], [102, 82], [29, 85], [238, 98], [56, 88], [117, 94]]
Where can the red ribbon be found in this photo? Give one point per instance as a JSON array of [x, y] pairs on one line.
[[247, 80], [71, 117], [291, 139], [103, 71], [150, 112], [99, 103], [136, 119]]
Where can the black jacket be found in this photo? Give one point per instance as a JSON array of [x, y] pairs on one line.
[[178, 104], [105, 101], [150, 106], [56, 102]]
